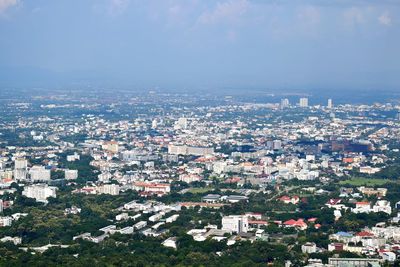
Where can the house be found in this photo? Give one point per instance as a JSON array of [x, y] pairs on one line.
[[16, 240], [335, 247], [108, 228], [362, 235], [333, 202], [362, 207], [379, 192], [170, 242], [5, 221], [299, 224], [309, 247], [382, 206], [337, 214], [152, 188], [344, 237], [287, 199]]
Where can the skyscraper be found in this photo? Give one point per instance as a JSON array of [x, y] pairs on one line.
[[303, 102], [285, 103], [330, 103]]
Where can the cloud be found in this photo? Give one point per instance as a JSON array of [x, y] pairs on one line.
[[385, 19], [6, 4], [228, 10], [310, 15], [354, 16], [117, 7]]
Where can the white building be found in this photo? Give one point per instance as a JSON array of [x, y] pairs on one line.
[[303, 102], [73, 157], [389, 256], [5, 221], [170, 242], [40, 192], [39, 173], [20, 169], [362, 207], [285, 103], [111, 189], [20, 164], [20, 174], [189, 150], [309, 247], [235, 223], [15, 240], [189, 178], [71, 174], [330, 103], [182, 123], [382, 206]]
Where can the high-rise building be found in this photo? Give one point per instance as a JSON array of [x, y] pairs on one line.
[[21, 164], [181, 123], [39, 173], [303, 102], [285, 103], [110, 189], [20, 169], [40, 192], [330, 103], [154, 124]]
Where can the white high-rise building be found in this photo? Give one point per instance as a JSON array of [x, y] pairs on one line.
[[110, 189], [39, 173], [20, 174], [330, 103], [277, 144], [235, 223], [182, 123], [20, 164], [154, 124], [285, 103], [303, 102], [40, 192], [20, 169]]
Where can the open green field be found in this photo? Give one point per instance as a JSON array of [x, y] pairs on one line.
[[366, 182], [199, 190]]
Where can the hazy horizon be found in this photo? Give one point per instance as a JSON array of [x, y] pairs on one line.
[[201, 45]]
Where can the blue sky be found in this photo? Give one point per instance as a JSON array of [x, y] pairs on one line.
[[325, 44]]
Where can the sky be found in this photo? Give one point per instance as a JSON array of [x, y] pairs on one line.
[[201, 44]]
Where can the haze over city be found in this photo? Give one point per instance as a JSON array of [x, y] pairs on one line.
[[192, 44]]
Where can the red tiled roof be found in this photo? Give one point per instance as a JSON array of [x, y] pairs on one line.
[[364, 234]]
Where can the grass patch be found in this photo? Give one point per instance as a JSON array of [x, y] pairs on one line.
[[357, 181], [199, 190]]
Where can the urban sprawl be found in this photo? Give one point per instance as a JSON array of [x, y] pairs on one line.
[[175, 180]]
